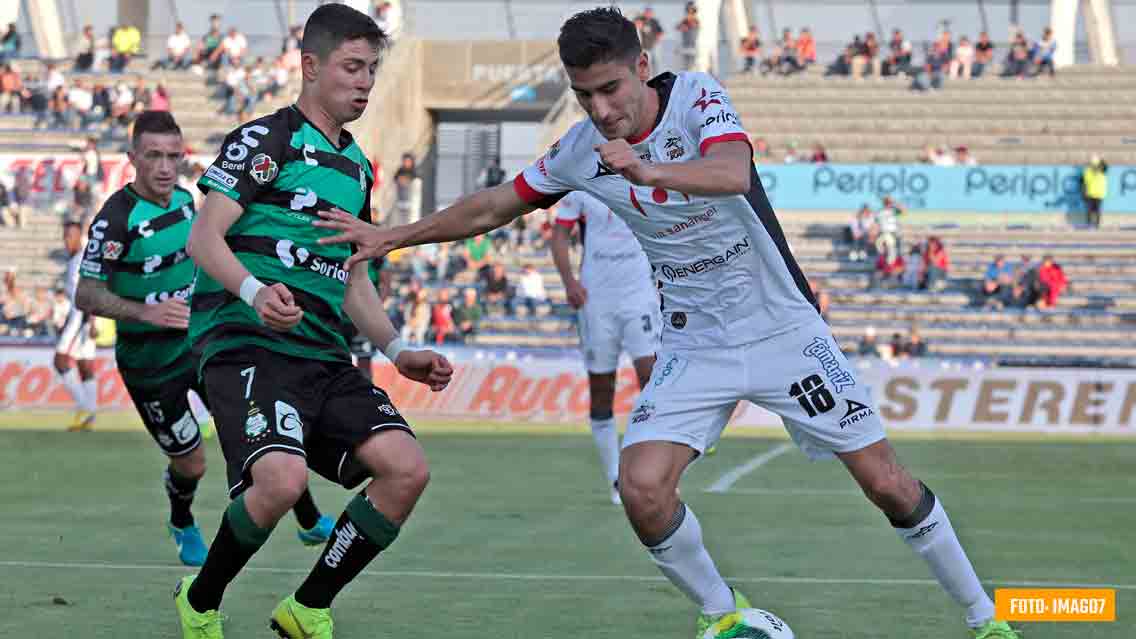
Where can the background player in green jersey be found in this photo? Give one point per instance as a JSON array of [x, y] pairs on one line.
[[135, 269], [267, 318]]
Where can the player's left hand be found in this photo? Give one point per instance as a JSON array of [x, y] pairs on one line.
[[618, 156], [426, 367], [371, 242], [94, 330]]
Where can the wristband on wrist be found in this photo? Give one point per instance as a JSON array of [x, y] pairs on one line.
[[249, 288], [393, 348]]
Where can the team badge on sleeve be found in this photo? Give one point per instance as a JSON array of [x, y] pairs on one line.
[[263, 169], [112, 250]]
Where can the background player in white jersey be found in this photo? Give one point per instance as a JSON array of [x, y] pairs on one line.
[[75, 350], [669, 156], [618, 310]]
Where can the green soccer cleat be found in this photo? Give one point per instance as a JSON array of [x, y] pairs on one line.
[[196, 625], [292, 620], [996, 630], [705, 621]]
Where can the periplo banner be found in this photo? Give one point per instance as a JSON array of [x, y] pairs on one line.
[[994, 188], [920, 397]]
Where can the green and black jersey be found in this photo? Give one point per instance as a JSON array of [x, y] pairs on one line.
[[281, 169], [138, 248]]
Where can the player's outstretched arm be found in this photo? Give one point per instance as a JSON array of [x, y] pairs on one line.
[[726, 169], [274, 304], [94, 297], [577, 295], [362, 304], [471, 215]]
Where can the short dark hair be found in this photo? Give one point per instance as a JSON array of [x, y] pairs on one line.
[[153, 122], [72, 224], [331, 25], [598, 36]]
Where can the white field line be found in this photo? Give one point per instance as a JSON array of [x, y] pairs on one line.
[[510, 576], [730, 478], [836, 492]]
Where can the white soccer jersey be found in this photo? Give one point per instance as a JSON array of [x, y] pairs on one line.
[[725, 271], [75, 337], [615, 269], [71, 276]]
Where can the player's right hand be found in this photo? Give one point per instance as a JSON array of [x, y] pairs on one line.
[[172, 313], [577, 294], [277, 308]]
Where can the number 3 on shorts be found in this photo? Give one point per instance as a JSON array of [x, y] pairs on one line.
[[249, 372]]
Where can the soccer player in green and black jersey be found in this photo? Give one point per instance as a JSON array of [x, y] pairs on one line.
[[135, 270], [267, 318]]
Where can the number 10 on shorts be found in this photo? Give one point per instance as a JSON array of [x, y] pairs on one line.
[[811, 393]]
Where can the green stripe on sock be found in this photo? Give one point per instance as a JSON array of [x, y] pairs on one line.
[[244, 528], [378, 529]]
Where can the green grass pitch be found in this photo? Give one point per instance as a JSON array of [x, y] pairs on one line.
[[514, 538]]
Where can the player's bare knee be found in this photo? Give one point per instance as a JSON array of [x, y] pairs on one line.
[[644, 487], [190, 465], [396, 459], [281, 478]]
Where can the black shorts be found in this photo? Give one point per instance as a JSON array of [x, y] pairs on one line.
[[264, 401], [165, 412]]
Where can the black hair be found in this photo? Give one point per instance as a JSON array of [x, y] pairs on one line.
[[598, 36], [331, 25], [71, 223], [154, 122]]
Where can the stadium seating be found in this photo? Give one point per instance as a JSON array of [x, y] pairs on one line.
[[194, 102], [1094, 319], [1084, 110]]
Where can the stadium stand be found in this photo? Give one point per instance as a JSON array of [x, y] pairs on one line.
[[1084, 110]]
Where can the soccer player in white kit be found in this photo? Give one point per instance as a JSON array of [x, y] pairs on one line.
[[670, 157], [618, 310], [76, 346]]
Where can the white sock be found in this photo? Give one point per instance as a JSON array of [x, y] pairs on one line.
[[90, 401], [606, 437], [683, 559], [74, 387], [197, 407], [935, 541]]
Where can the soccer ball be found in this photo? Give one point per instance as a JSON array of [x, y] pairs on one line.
[[758, 624]]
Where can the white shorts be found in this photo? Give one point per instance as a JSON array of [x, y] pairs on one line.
[[801, 376], [75, 339], [633, 327]]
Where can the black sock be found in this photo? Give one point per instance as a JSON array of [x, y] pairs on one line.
[[180, 490], [360, 534], [306, 511], [236, 542]]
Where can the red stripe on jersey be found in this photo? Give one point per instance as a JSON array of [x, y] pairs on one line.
[[526, 192], [725, 137], [635, 202], [566, 223]]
